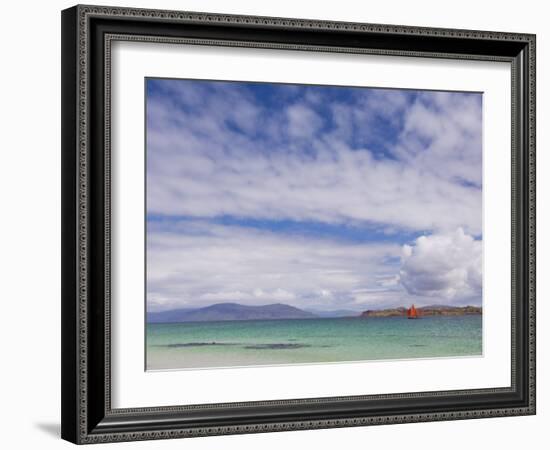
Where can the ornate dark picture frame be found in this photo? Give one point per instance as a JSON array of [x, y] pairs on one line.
[[87, 34]]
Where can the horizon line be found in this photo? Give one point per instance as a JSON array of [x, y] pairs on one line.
[[343, 308]]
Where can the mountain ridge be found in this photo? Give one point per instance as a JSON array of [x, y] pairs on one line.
[[229, 311]]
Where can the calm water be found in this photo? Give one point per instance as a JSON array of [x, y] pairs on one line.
[[301, 341]]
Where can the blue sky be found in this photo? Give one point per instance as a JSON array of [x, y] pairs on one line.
[[318, 196]]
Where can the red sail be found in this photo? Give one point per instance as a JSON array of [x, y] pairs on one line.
[[412, 313]]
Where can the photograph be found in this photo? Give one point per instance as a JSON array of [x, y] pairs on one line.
[[299, 224]]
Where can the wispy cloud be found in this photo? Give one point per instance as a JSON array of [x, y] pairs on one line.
[[196, 262]]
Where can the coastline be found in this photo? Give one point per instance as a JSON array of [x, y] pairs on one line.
[[425, 311]]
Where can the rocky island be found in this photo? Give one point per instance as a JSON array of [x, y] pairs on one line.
[[425, 311]]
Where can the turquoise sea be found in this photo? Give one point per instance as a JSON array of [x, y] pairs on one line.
[[304, 341]]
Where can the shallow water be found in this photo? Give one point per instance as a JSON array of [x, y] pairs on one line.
[[303, 341]]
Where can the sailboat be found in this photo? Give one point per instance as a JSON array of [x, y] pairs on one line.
[[412, 313]]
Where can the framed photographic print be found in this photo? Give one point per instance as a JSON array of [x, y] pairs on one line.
[[277, 224]]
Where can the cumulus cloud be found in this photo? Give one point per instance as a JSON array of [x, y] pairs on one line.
[[445, 266]]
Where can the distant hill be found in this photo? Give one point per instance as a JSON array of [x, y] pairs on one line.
[[229, 311], [172, 315], [434, 310]]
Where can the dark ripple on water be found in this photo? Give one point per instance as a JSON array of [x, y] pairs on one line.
[[197, 344], [276, 346], [269, 346]]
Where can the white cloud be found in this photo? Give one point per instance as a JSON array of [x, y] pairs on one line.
[[275, 295], [303, 122], [196, 264], [442, 135], [444, 266], [200, 166]]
